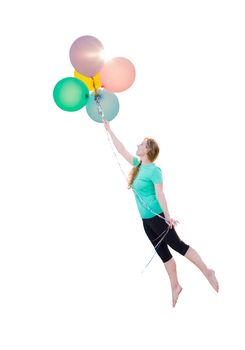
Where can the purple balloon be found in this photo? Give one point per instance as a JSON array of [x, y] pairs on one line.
[[86, 55]]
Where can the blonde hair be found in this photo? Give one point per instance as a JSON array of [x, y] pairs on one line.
[[153, 151]]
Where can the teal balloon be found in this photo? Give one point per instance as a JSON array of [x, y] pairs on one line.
[[108, 102], [71, 94]]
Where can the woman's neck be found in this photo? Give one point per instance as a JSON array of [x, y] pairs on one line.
[[145, 160]]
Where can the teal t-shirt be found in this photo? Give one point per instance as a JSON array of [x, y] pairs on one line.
[[148, 175]]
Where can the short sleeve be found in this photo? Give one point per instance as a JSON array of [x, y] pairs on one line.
[[136, 161], [157, 176]]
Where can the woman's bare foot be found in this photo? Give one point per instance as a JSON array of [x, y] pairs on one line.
[[213, 280], [175, 294]]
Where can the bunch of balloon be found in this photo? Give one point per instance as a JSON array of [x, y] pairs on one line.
[[95, 82]]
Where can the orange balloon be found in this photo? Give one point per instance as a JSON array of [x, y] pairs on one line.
[[117, 74]]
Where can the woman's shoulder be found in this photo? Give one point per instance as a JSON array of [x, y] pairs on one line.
[[136, 161], [156, 169], [156, 165]]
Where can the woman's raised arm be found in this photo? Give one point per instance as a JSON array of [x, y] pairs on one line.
[[118, 144]]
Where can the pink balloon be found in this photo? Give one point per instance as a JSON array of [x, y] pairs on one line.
[[86, 55], [117, 74]]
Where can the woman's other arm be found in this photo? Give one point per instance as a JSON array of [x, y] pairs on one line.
[[163, 203], [162, 200]]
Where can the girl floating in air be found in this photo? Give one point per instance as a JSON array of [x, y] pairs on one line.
[[146, 178]]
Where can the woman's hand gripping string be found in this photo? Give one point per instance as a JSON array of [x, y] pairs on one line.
[[171, 222]]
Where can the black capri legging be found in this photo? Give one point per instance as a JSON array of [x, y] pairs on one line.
[[154, 227]]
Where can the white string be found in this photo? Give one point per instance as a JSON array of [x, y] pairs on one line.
[[165, 232]]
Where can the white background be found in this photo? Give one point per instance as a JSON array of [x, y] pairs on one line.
[[72, 242]]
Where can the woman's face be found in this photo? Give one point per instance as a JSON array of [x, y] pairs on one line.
[[141, 149]]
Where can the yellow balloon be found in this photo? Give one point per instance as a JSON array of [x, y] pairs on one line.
[[92, 83]]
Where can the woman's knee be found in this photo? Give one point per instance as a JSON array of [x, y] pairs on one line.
[[174, 241]]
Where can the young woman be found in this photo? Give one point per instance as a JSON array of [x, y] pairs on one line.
[[146, 178]]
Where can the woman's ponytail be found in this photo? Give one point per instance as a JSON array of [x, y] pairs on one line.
[[132, 174]]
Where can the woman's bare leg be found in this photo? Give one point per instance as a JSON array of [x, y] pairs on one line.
[[170, 266], [195, 258]]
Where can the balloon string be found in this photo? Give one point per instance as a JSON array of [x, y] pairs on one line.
[[165, 232], [97, 100], [95, 89]]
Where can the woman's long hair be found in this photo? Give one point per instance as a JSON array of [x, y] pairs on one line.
[[153, 151]]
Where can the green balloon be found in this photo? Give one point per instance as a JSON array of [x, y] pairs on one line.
[[71, 94]]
